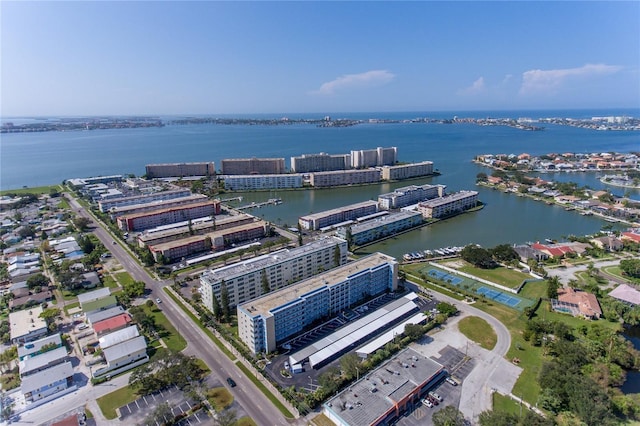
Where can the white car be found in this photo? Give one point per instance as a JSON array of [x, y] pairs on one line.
[[158, 301], [435, 395], [427, 403]]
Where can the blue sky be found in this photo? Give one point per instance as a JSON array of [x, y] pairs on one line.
[[92, 58]]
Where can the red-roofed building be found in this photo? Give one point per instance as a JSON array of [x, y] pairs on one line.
[[111, 324], [631, 236], [553, 250], [587, 303]]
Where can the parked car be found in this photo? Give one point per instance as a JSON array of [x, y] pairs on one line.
[[158, 300], [436, 396], [427, 403], [231, 382], [451, 381]]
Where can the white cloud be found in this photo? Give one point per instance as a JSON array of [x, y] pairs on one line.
[[476, 87], [348, 81], [534, 81]]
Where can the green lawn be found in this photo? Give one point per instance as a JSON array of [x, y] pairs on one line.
[[108, 281], [504, 404], [124, 278], [245, 421], [478, 330], [534, 289], [116, 399], [71, 306], [501, 275], [35, 190], [572, 321], [219, 398], [170, 335]]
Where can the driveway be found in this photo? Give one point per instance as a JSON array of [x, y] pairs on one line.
[[492, 370]]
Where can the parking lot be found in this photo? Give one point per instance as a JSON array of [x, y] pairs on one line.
[[308, 380]]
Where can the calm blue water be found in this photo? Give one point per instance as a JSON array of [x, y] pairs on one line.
[[45, 158]]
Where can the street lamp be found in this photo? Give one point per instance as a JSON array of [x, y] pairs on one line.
[[310, 384], [357, 374]]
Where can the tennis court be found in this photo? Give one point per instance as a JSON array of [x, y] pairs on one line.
[[443, 276], [499, 297]]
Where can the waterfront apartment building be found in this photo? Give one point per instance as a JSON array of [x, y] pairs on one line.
[[244, 280], [145, 220], [154, 205], [407, 171], [384, 226], [268, 321], [321, 162], [374, 157], [344, 177], [180, 170], [106, 205], [409, 195], [336, 216], [174, 250], [200, 226], [258, 182], [449, 204], [252, 166]]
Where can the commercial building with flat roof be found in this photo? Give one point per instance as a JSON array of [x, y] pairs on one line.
[[386, 393], [327, 218], [374, 157], [265, 322], [408, 195], [106, 205], [381, 227], [180, 170], [252, 166], [145, 220], [321, 162], [244, 280], [449, 204], [344, 177], [407, 171], [26, 325], [264, 181]]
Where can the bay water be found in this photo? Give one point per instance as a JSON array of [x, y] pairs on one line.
[[34, 159]]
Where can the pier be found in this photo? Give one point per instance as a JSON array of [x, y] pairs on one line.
[[270, 201]]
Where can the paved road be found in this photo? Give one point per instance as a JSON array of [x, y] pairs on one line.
[[569, 273], [252, 401], [476, 393]]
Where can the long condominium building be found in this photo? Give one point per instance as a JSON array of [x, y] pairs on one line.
[[268, 321], [246, 280], [203, 225], [344, 177], [154, 205], [257, 182], [407, 171], [106, 205], [174, 250], [372, 230], [321, 162], [331, 217], [145, 220], [449, 204], [180, 170], [374, 157], [409, 195], [252, 166]]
